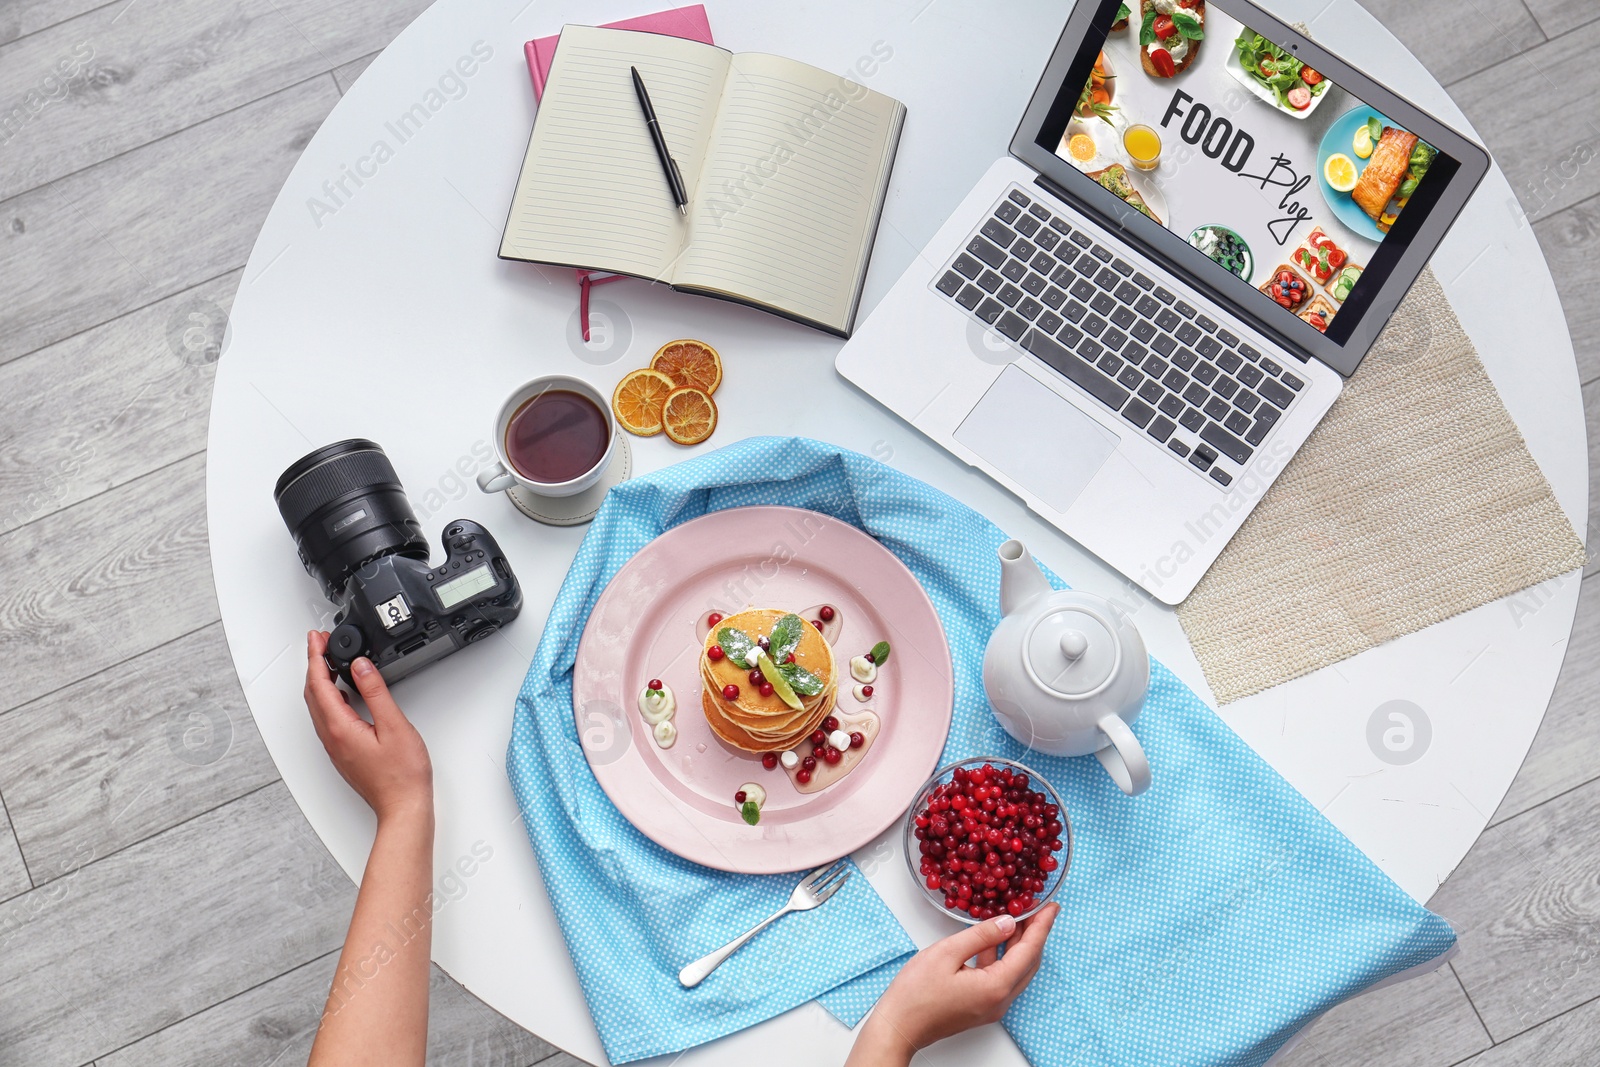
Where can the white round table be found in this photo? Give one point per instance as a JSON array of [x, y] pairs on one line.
[[373, 305]]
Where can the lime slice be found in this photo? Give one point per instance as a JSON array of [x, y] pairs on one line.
[[779, 686]]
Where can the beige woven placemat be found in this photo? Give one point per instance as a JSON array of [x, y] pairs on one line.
[[1415, 500]]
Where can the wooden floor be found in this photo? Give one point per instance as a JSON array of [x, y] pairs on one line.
[[166, 905]]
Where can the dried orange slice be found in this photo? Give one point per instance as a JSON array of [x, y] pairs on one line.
[[690, 364], [689, 415], [637, 401]]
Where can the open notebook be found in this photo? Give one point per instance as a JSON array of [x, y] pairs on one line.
[[786, 167]]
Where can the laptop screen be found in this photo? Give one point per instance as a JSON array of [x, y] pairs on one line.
[[1265, 167]]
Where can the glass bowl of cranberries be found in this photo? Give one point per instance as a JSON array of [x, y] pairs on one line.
[[987, 835]]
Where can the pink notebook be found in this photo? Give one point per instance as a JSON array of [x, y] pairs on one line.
[[686, 22]]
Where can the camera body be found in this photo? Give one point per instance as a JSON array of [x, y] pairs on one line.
[[403, 613], [357, 535]]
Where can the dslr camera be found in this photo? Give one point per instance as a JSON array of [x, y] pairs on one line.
[[357, 535]]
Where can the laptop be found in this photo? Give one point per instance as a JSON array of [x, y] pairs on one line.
[[1141, 312]]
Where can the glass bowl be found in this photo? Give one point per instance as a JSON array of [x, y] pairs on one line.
[[946, 774]]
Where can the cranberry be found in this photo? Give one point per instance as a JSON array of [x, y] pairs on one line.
[[866, 690], [765, 689], [789, 658], [769, 760], [830, 724], [933, 881], [826, 612], [714, 653], [819, 738], [817, 623], [655, 683], [740, 797], [808, 763], [856, 739], [986, 836], [832, 755], [714, 618], [756, 677], [766, 644], [730, 691], [869, 657]]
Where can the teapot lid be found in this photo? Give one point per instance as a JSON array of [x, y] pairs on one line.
[[1073, 652]]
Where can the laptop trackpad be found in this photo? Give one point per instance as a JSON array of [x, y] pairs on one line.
[[1035, 437]]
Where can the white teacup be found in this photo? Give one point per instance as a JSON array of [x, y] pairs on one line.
[[503, 474]]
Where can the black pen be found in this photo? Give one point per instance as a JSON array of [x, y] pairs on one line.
[[674, 180]]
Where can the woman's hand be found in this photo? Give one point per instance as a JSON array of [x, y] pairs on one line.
[[937, 994], [386, 762]]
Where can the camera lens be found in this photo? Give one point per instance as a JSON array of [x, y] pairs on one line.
[[344, 505]]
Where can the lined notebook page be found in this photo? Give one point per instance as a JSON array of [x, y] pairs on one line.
[[784, 210], [592, 192]]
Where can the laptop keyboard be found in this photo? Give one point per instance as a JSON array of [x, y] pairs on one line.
[[1167, 369]]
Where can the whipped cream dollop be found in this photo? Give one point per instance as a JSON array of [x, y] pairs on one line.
[[666, 733], [657, 705], [863, 669]]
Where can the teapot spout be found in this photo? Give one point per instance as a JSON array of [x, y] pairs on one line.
[[1020, 577]]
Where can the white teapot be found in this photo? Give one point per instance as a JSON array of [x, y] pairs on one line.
[[1067, 671]]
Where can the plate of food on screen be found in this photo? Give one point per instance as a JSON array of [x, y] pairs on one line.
[[1095, 101], [1318, 313], [1144, 197], [1225, 248], [1288, 288], [1170, 34], [1274, 76], [1368, 169]]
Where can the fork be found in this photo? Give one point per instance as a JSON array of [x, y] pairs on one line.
[[813, 889]]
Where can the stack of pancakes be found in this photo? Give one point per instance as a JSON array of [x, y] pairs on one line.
[[751, 721]]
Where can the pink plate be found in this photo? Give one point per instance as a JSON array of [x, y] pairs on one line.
[[644, 627]]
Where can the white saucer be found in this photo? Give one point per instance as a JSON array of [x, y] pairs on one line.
[[581, 507]]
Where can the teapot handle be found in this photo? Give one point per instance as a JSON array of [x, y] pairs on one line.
[[1124, 759]]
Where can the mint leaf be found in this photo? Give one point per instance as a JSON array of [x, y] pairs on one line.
[[749, 812], [799, 679], [737, 644], [880, 653], [785, 637], [1188, 25]]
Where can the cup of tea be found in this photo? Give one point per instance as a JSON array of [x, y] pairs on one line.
[[553, 436]]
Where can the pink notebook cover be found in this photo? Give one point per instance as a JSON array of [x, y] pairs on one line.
[[686, 22]]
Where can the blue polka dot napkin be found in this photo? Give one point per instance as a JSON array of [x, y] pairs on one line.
[[1204, 922]]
